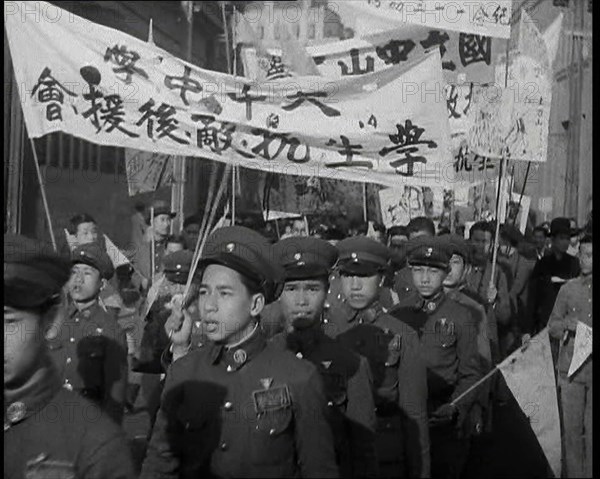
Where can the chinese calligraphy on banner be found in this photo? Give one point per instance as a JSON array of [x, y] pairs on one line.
[[109, 88], [147, 171], [484, 17]]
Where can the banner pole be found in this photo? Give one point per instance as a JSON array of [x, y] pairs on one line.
[[226, 32], [43, 191], [152, 248], [497, 234], [233, 183], [522, 192], [365, 202]]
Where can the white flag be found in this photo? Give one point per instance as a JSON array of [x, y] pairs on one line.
[[530, 376], [582, 349], [117, 258]]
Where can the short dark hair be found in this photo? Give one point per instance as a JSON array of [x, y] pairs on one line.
[[587, 238], [397, 231], [421, 223], [480, 226], [79, 219], [540, 229]]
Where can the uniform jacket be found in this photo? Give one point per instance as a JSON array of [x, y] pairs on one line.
[[143, 258], [573, 302], [543, 291], [90, 353], [220, 416], [52, 432], [399, 375], [348, 389], [448, 335], [478, 281]]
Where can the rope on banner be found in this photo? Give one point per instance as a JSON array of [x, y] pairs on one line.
[[43, 191]]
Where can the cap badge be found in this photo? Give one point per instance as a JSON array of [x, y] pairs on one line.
[[240, 356], [428, 252], [230, 247], [299, 355], [326, 364], [431, 307], [16, 411], [297, 256], [178, 266], [354, 256], [266, 382]]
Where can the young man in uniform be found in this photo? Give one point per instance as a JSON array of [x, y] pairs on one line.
[[238, 406], [307, 262], [160, 226], [540, 237], [574, 304], [48, 430], [90, 349], [393, 352], [448, 338], [191, 231]]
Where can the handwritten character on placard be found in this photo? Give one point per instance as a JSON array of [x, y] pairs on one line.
[[92, 77], [217, 136], [49, 91], [434, 38], [461, 162], [125, 61], [452, 101], [246, 96], [183, 83], [300, 97], [112, 114], [474, 48], [163, 115], [483, 164], [348, 150], [395, 51], [276, 69], [404, 141], [356, 68]]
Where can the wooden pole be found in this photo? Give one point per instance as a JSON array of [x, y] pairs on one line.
[[522, 191], [152, 248], [497, 235], [43, 192], [364, 194], [233, 183], [226, 32]]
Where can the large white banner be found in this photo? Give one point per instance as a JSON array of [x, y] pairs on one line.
[[93, 82], [484, 17]]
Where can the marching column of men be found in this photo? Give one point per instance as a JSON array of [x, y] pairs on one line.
[[298, 359]]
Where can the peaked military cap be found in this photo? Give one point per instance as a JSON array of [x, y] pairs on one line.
[[247, 252], [33, 273], [305, 257], [93, 254], [360, 255], [429, 251], [177, 266]]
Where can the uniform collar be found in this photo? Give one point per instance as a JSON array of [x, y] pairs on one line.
[[430, 305], [586, 280], [234, 357], [369, 314], [30, 398], [87, 312]]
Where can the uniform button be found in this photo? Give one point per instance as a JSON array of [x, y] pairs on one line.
[[271, 432], [76, 320], [68, 360], [72, 340], [228, 406], [330, 403], [229, 368], [224, 446]]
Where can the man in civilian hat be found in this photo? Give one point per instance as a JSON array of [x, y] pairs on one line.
[[48, 430], [238, 406], [307, 262], [90, 349], [447, 332], [393, 352], [159, 217], [549, 274]]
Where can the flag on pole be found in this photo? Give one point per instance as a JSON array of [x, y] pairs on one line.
[[116, 256], [552, 37], [582, 348], [529, 374]]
